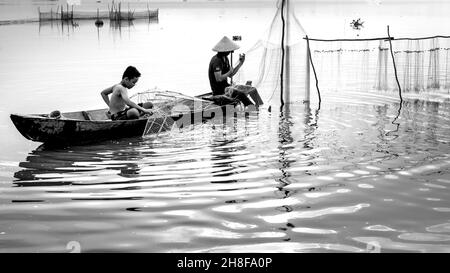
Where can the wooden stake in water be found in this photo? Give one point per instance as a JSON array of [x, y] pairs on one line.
[[307, 72], [395, 68], [231, 67], [283, 29], [314, 70]]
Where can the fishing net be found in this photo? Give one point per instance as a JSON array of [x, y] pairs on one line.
[[351, 65], [170, 109], [279, 68], [281, 49], [422, 65]]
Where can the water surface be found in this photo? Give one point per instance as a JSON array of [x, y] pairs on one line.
[[355, 175]]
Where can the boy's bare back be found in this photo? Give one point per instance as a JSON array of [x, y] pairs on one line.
[[117, 102]]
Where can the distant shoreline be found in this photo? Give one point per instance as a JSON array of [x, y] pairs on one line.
[[17, 22]]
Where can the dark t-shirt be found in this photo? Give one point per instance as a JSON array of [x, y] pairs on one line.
[[218, 64]]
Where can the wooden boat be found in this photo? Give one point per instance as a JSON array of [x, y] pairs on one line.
[[95, 125]]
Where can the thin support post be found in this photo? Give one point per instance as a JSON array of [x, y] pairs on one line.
[[307, 76], [395, 68], [282, 53], [314, 70], [287, 57], [231, 65], [119, 12]]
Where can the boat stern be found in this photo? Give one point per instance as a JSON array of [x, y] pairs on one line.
[[37, 128]]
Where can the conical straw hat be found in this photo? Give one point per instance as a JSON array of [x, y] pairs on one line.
[[225, 45]]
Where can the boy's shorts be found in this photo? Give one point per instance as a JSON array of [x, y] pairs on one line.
[[122, 115]]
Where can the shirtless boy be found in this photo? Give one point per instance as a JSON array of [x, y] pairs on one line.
[[120, 100]]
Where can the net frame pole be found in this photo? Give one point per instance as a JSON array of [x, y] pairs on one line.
[[287, 73], [231, 67], [308, 74], [282, 53], [395, 67]]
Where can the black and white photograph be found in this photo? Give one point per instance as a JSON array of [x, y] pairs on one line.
[[226, 127]]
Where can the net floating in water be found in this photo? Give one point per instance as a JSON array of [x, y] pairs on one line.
[[169, 109]]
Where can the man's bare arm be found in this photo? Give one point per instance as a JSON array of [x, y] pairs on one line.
[[105, 94]]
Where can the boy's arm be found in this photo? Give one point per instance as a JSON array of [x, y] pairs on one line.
[[124, 95], [105, 94]]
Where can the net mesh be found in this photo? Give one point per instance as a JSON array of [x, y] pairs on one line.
[[263, 63], [168, 107], [345, 65], [422, 65]]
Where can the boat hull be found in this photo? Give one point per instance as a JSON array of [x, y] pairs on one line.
[[48, 130], [41, 128]]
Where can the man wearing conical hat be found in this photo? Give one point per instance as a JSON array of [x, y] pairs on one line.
[[220, 70]]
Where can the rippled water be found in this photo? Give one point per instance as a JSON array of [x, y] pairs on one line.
[[357, 175], [348, 177]]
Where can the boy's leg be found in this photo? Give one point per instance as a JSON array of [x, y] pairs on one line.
[[132, 113], [146, 105]]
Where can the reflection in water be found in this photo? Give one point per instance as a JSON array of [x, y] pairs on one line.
[[63, 27], [69, 27], [287, 155], [253, 183], [394, 121], [117, 26]]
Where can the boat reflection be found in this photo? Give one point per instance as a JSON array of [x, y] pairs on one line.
[[54, 166]]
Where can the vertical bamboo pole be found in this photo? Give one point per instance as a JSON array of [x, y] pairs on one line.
[[395, 68], [120, 11], [314, 70], [308, 74], [287, 77], [231, 66], [283, 2]]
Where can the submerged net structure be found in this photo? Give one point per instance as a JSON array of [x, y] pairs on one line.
[[114, 13], [422, 64], [277, 60], [168, 106], [283, 63]]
